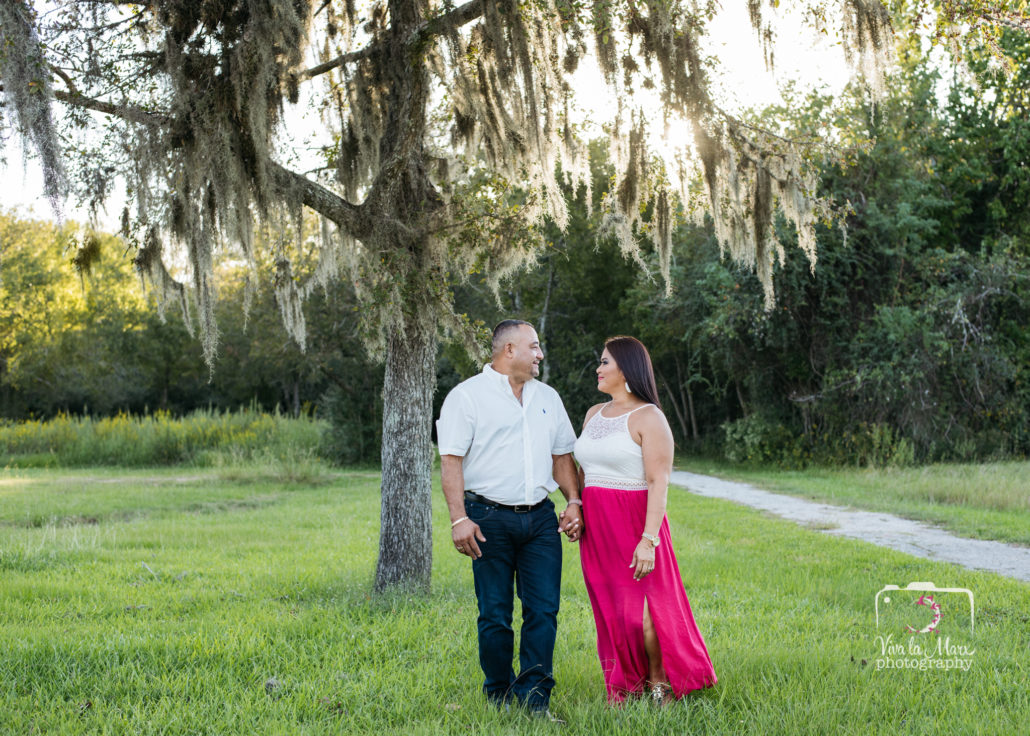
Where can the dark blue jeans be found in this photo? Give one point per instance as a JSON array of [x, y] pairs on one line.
[[521, 551]]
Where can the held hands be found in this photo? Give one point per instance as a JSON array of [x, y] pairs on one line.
[[570, 521], [465, 534], [643, 559]]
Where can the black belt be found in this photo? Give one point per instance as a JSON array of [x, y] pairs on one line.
[[522, 508]]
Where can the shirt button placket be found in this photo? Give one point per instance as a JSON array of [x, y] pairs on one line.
[[527, 455]]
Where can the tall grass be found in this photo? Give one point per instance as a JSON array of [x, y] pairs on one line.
[[203, 438]]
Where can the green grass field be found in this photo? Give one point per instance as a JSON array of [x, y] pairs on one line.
[[234, 601], [984, 501]]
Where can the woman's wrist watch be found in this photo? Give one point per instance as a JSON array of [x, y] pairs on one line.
[[651, 538]]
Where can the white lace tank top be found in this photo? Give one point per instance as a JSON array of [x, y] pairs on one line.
[[609, 456]]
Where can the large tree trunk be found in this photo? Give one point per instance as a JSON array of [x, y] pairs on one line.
[[405, 538], [403, 193]]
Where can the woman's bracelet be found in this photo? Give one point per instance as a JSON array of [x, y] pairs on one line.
[[574, 501], [458, 521]]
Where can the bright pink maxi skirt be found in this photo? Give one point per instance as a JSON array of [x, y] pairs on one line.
[[613, 520]]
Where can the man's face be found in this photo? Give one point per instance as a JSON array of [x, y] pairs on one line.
[[525, 363]]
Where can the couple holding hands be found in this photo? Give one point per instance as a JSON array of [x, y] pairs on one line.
[[505, 443]]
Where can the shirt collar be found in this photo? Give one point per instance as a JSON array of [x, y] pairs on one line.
[[501, 380]]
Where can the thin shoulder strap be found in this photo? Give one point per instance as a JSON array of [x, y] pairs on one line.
[[643, 406]]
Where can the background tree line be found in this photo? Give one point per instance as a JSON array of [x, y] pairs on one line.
[[906, 343], [78, 341]]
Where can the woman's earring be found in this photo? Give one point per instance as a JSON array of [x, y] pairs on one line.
[[628, 389]]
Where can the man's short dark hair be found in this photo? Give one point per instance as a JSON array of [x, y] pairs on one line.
[[502, 333]]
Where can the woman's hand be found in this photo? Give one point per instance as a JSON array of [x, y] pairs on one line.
[[643, 559], [570, 521]]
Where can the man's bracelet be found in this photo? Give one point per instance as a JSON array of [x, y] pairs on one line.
[[575, 501], [458, 521]]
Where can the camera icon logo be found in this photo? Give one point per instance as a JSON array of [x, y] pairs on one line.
[[930, 597]]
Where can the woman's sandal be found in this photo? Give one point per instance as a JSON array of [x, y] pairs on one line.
[[661, 693]]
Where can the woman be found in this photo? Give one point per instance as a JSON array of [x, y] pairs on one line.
[[646, 636]]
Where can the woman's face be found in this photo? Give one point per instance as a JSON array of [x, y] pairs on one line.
[[609, 377]]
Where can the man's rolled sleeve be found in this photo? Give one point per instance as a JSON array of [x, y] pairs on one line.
[[456, 426]]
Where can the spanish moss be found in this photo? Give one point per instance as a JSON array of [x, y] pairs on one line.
[[25, 81]]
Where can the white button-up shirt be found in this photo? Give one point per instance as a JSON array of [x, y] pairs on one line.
[[505, 446]]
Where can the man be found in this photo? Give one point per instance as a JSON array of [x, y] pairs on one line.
[[505, 443]]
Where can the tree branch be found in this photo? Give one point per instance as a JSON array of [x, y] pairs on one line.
[[339, 61], [453, 18], [125, 112], [735, 121], [347, 215]]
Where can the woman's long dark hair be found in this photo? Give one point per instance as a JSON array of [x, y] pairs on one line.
[[635, 363]]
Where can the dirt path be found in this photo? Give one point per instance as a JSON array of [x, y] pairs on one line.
[[912, 537]]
